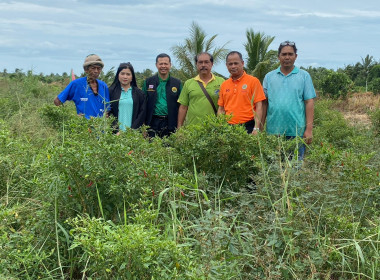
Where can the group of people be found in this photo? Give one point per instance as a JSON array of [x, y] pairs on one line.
[[285, 100]]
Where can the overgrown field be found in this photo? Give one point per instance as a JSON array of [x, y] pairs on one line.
[[209, 202]]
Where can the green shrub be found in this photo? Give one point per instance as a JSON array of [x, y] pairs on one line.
[[317, 75], [93, 163], [8, 107], [220, 150], [336, 84], [16, 164], [330, 126], [375, 119], [56, 116], [163, 218], [24, 254], [374, 72], [375, 85], [131, 251]]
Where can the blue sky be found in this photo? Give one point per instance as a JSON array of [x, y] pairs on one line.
[[54, 36]]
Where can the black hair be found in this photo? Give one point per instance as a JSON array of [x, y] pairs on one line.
[[210, 55], [235, 52], [162, 55], [116, 83], [287, 43]]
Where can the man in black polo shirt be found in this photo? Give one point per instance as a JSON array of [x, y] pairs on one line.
[[162, 92]]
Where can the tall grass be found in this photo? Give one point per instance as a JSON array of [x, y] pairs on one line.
[[78, 202]]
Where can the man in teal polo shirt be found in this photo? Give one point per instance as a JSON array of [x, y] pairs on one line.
[[194, 102], [290, 98], [162, 92]]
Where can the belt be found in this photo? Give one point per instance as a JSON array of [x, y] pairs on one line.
[[160, 117]]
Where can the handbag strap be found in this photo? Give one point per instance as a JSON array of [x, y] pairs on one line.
[[207, 96]]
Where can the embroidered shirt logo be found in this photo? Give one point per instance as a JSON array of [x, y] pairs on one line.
[[150, 88], [244, 86], [174, 89], [84, 99]]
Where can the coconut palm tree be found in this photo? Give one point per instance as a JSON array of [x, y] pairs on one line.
[[367, 62], [193, 45], [260, 61]]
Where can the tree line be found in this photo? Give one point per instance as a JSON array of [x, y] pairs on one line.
[[362, 76]]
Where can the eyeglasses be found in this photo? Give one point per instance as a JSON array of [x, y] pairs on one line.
[[287, 43]]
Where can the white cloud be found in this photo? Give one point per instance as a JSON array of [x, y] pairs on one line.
[[21, 7], [316, 14], [36, 31], [364, 13]]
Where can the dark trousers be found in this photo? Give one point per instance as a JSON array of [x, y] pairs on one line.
[[159, 127], [249, 125]]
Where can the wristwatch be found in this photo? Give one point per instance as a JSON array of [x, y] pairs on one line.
[[256, 128]]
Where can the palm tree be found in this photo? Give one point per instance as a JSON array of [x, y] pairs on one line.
[[260, 61], [367, 62], [195, 44], [108, 77]]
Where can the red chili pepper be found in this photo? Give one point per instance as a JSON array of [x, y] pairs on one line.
[[145, 175], [152, 192], [69, 188], [342, 164], [183, 194], [130, 152], [90, 184]]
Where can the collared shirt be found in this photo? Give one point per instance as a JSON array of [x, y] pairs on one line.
[[86, 102], [198, 79], [125, 108], [286, 101], [238, 97], [194, 98], [161, 108]]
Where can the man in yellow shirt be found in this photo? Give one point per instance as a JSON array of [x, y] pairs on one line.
[[194, 103]]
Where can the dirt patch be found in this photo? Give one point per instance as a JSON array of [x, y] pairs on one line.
[[359, 102], [356, 107], [357, 119]]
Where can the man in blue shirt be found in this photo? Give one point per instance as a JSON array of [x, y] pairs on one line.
[[290, 98], [90, 95]]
